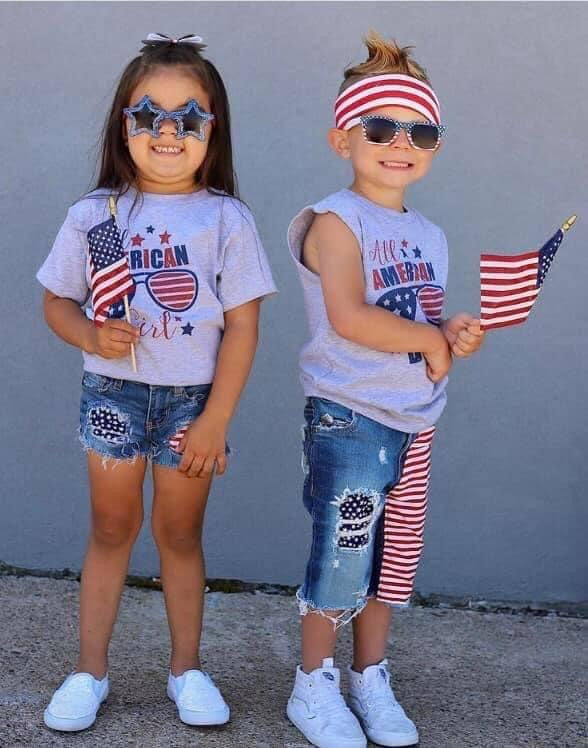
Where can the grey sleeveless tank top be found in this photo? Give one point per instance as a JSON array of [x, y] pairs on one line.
[[405, 266]]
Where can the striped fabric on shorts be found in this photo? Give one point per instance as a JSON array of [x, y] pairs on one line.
[[404, 521]]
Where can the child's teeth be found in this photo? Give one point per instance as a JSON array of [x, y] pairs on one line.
[[167, 149]]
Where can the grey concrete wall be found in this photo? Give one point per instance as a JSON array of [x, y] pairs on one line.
[[508, 505]]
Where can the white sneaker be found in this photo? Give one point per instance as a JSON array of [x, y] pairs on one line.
[[372, 700], [75, 703], [317, 708], [198, 700]]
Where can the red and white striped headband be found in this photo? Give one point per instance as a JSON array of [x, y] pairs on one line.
[[390, 89]]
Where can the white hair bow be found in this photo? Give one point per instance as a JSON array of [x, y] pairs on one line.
[[163, 38]]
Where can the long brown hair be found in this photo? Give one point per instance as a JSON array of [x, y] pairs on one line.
[[117, 170]]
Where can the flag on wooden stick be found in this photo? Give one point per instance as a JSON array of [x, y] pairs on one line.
[[509, 285], [110, 273]]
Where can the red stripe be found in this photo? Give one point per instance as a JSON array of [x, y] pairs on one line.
[[174, 442], [518, 313], [508, 258], [182, 281], [496, 325]]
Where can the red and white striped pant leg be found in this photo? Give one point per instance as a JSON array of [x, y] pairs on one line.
[[404, 522]]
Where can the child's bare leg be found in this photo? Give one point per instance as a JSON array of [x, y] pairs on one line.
[[178, 514], [318, 639], [117, 514], [370, 634]]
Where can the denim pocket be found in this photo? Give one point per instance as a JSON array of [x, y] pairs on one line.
[[97, 382], [197, 393], [330, 416]]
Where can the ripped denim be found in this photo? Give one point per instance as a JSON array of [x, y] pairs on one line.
[[122, 420], [350, 464]]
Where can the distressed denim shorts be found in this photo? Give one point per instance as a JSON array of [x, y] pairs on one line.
[[350, 463], [123, 420]]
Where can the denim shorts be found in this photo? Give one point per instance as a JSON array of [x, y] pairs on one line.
[[350, 463], [123, 420]]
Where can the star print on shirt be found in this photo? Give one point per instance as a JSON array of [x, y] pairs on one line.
[[187, 329], [150, 229], [164, 237], [137, 239], [417, 252]]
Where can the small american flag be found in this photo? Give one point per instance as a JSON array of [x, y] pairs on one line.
[[510, 285], [111, 277]]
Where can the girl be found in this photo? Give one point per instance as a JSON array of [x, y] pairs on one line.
[[375, 385], [194, 272]]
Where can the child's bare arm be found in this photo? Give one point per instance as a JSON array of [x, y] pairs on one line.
[[331, 250], [204, 442], [67, 320]]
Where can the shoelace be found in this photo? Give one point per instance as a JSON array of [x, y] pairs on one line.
[[381, 696], [331, 701]]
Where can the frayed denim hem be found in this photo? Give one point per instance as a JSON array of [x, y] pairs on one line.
[[109, 460], [344, 617]]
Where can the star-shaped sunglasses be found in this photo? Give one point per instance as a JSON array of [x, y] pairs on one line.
[[146, 117], [380, 130]]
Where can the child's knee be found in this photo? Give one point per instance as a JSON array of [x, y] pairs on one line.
[[115, 530], [177, 536]]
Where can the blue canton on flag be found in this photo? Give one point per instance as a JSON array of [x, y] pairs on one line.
[[547, 253]]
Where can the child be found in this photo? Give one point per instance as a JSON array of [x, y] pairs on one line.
[[375, 386], [199, 273]]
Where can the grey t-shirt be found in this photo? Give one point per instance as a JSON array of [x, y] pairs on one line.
[[192, 257], [405, 267]]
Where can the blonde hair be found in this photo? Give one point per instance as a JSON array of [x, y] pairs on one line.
[[383, 57]]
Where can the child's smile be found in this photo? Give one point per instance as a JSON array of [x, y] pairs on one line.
[[396, 164], [168, 150]]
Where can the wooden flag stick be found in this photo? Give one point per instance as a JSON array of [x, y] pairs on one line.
[[567, 225], [112, 208], [128, 316]]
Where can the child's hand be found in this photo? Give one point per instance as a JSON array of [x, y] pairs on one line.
[[113, 339], [203, 448], [463, 334], [438, 360]]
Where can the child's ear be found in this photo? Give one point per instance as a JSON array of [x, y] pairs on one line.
[[339, 142]]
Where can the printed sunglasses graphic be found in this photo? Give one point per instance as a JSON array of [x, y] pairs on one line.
[[403, 301], [173, 290]]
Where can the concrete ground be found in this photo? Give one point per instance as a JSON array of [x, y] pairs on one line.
[[468, 679]]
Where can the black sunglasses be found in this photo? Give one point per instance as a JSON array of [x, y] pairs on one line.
[[380, 130]]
